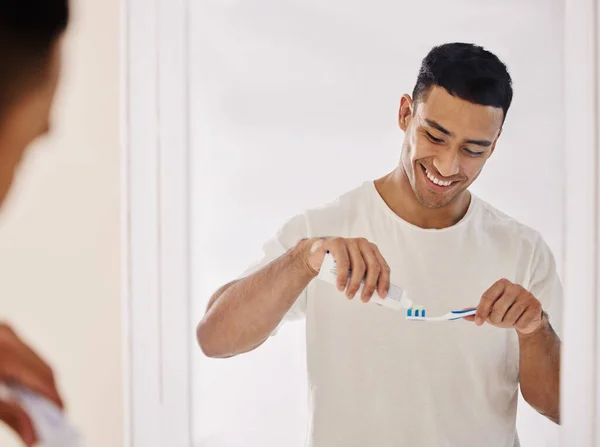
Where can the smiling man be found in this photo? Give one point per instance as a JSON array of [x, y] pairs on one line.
[[375, 378]]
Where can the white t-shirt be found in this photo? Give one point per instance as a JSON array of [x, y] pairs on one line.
[[376, 379]]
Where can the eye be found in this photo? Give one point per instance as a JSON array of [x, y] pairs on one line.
[[471, 153], [434, 139]]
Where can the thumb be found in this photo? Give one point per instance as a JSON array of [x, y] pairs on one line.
[[316, 254], [16, 418], [470, 317]]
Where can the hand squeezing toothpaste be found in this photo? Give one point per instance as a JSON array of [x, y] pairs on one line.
[[50, 424], [396, 299], [29, 399]]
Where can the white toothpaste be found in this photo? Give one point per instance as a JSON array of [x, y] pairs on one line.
[[51, 427], [396, 299]]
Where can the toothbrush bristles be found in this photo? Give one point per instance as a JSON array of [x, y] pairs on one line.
[[416, 312]]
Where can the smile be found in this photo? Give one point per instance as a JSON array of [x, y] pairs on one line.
[[436, 180]]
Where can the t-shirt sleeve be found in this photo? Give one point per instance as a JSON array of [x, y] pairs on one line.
[[285, 239], [545, 284]]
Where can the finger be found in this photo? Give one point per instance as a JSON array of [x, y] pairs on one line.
[[46, 375], [358, 267], [373, 270], [525, 319], [33, 382], [29, 370], [37, 362], [316, 254], [469, 317], [516, 311], [530, 319], [383, 285], [339, 252], [16, 418], [503, 304], [487, 301]]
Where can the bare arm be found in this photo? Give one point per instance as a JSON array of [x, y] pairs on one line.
[[509, 305], [539, 367], [243, 314]]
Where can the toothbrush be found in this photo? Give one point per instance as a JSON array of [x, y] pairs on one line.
[[418, 313], [396, 298]]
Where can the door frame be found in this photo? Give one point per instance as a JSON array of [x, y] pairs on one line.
[[580, 388], [156, 233]]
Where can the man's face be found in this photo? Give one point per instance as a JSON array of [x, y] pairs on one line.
[[26, 119], [447, 142]]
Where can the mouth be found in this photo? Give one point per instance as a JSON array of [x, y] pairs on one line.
[[436, 183]]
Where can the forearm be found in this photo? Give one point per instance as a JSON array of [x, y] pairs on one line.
[[242, 315], [539, 367]]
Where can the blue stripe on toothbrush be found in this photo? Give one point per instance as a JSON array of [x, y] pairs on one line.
[[461, 312]]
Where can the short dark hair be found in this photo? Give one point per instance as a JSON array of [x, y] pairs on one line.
[[28, 31], [468, 72]]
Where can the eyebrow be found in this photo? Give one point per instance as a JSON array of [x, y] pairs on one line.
[[482, 143]]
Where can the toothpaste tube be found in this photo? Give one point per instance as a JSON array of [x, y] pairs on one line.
[[396, 299], [51, 427]]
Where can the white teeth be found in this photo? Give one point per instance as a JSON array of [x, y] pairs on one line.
[[436, 180]]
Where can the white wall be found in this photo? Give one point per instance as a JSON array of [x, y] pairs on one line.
[[294, 103], [59, 234]]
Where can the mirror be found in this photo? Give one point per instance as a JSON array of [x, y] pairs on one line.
[[293, 104]]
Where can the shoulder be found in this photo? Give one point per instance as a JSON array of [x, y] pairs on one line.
[[329, 218], [507, 229], [525, 246]]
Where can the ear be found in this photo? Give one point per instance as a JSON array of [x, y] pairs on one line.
[[406, 112]]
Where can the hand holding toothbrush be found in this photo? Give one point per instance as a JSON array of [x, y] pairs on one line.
[[19, 364], [509, 305], [356, 259]]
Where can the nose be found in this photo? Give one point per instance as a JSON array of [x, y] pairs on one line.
[[447, 163]]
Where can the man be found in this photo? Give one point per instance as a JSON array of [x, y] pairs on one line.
[[30, 45], [375, 378]]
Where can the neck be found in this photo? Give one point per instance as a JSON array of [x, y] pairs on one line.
[[397, 193]]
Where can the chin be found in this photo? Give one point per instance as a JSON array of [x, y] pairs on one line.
[[431, 204], [434, 201]]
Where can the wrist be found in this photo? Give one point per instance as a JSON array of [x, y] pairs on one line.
[[299, 256], [544, 326]]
